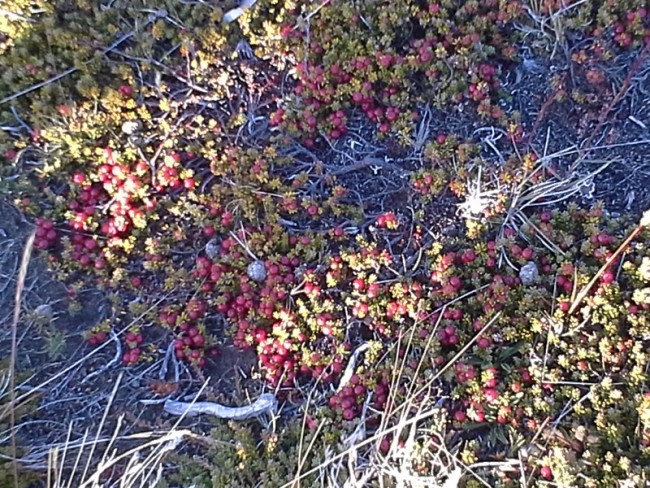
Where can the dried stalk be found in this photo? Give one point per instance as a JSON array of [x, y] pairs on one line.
[[266, 403]]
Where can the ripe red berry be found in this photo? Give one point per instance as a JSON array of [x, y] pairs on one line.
[[384, 445], [607, 277], [468, 257], [125, 90], [373, 290], [491, 395], [79, 178], [546, 472], [604, 239], [359, 284]]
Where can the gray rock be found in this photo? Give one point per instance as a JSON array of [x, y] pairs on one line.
[[212, 248], [256, 271], [528, 274], [130, 127]]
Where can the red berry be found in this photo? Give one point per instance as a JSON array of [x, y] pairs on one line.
[[491, 395], [79, 178], [607, 277], [468, 257], [373, 290], [604, 239], [455, 282], [384, 445], [546, 472], [348, 414], [125, 90], [358, 284]]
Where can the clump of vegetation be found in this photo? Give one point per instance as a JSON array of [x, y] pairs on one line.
[[381, 59]]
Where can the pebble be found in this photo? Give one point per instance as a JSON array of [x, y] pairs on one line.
[[528, 274], [130, 127], [212, 248], [256, 271], [44, 312]]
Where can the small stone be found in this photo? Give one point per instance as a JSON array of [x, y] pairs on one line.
[[212, 248], [130, 127], [44, 312], [528, 274], [256, 271]]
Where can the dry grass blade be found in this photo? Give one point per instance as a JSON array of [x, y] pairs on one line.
[[624, 245], [139, 470], [406, 420], [553, 26], [20, 285], [551, 192]]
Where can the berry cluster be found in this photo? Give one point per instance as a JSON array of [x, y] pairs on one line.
[[388, 220], [191, 345], [97, 338], [46, 236], [132, 341], [349, 399]]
